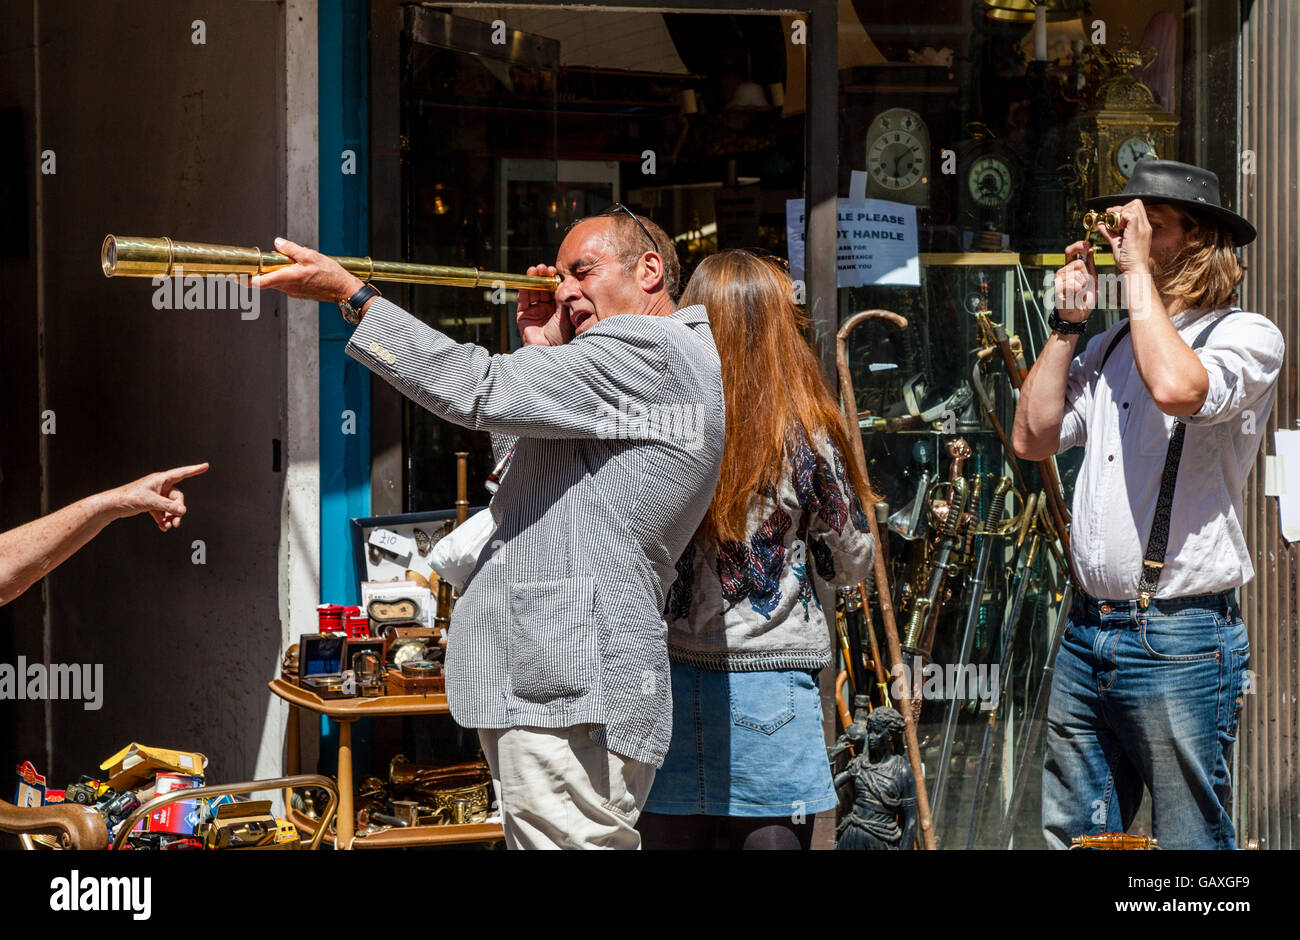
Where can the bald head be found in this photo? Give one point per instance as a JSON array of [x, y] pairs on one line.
[[602, 276]]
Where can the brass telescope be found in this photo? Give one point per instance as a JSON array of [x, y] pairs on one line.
[[137, 256]]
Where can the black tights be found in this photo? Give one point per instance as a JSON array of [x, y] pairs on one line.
[[702, 833]]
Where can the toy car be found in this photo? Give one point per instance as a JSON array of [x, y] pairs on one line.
[[180, 844], [286, 834], [86, 791], [120, 807]]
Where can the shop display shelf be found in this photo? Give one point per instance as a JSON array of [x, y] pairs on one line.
[[346, 711], [351, 709], [463, 834]]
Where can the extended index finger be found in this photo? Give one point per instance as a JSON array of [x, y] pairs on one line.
[[176, 474], [1077, 250], [292, 249]]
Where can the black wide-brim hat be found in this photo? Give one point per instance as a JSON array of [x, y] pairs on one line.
[[1168, 182]]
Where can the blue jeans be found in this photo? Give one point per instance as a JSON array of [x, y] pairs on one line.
[[1145, 698]]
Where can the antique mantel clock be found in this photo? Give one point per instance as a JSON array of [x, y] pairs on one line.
[[988, 181], [1124, 125], [898, 157]]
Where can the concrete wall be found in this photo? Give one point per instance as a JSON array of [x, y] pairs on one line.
[[153, 134]]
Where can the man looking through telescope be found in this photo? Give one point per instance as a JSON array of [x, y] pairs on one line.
[[556, 651]]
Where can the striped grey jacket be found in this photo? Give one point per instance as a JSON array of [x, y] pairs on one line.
[[620, 437]]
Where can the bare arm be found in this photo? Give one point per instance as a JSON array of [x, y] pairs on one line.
[[1170, 369], [31, 551], [1036, 433]]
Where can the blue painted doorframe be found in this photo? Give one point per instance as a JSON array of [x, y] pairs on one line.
[[344, 230]]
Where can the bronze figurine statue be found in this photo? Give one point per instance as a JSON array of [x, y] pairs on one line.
[[884, 814]]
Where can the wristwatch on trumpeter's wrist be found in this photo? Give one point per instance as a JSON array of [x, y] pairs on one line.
[[1057, 325], [351, 308]]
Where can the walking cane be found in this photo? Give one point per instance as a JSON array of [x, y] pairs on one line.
[[882, 574]]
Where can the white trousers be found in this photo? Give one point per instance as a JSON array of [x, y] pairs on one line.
[[558, 789]]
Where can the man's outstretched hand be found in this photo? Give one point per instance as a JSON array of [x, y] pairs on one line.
[[155, 494], [312, 276]]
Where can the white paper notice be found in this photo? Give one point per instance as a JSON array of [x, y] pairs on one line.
[[1287, 445], [1274, 481], [876, 243]]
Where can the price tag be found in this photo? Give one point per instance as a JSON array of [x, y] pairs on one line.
[[390, 541]]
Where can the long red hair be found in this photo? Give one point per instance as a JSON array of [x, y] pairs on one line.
[[770, 380]]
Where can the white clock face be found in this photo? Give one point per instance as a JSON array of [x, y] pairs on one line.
[[1129, 152], [896, 159], [990, 182]]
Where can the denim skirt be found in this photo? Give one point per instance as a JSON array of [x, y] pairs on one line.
[[744, 744]]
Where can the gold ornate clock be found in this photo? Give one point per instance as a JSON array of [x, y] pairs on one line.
[[1125, 125]]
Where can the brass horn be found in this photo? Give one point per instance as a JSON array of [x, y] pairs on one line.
[[137, 256]]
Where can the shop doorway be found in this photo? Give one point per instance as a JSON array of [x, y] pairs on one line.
[[516, 121]]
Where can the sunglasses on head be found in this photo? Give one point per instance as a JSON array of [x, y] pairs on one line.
[[764, 255], [618, 207]]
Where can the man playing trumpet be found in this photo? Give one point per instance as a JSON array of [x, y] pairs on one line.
[[556, 651], [1149, 678]]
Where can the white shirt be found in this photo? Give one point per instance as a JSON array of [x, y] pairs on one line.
[[1126, 436]]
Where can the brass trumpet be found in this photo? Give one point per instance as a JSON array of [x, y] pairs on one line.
[[137, 256], [1092, 218]]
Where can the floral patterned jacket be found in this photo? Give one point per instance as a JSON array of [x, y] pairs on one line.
[[763, 604]]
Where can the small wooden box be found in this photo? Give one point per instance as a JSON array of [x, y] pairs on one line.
[[399, 684]]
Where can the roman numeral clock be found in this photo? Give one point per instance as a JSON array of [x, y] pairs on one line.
[[898, 157]]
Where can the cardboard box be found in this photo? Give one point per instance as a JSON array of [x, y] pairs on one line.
[[31, 786], [135, 764], [180, 818], [244, 826]]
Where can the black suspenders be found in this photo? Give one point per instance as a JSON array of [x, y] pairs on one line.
[[1158, 540]]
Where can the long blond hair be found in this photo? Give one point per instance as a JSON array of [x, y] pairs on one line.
[[1205, 272], [770, 380]]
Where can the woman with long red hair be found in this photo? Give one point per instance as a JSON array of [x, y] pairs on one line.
[[747, 616]]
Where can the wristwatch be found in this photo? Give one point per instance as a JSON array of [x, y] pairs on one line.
[[1058, 325], [351, 308]]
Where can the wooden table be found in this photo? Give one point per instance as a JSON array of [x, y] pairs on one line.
[[346, 711]]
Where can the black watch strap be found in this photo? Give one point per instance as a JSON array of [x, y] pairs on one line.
[[1058, 325], [351, 308]]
